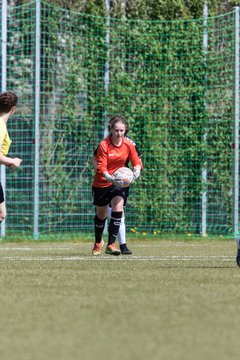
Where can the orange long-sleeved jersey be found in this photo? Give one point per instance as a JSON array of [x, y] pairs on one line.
[[110, 158]]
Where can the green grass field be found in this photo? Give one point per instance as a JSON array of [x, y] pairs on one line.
[[173, 300]]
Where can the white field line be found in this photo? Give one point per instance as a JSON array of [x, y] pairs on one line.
[[89, 245], [117, 258], [45, 248]]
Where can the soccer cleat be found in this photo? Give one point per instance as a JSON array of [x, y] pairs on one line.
[[125, 250], [238, 257], [112, 250], [97, 248]]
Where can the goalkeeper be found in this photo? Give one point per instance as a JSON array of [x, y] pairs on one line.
[[121, 236], [112, 153], [8, 104]]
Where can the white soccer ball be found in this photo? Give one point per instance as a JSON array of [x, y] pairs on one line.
[[123, 177]]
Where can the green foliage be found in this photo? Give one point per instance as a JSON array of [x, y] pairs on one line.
[[70, 98], [143, 9], [234, 2], [176, 96], [94, 7], [159, 77]]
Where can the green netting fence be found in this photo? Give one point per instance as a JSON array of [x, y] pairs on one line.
[[174, 81]]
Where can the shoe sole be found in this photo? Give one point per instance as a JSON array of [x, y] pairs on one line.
[[96, 254], [115, 253]]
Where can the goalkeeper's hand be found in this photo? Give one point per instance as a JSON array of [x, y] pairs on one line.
[[118, 182], [112, 179], [136, 174], [108, 177]]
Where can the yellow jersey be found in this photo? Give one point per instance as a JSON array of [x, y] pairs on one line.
[[5, 140]]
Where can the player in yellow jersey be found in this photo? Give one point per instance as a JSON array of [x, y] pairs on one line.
[[8, 104]]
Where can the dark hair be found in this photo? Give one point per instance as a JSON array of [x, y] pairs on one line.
[[7, 101], [115, 119]]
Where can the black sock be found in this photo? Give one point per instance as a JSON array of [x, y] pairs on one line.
[[99, 227], [123, 246], [114, 226]]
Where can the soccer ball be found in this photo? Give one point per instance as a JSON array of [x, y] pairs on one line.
[[122, 177]]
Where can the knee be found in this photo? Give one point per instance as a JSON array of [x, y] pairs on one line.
[[117, 204]]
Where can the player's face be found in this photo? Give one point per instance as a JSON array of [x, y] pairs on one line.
[[118, 130]]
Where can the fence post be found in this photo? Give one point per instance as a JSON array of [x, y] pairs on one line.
[[37, 118], [106, 75], [4, 87], [106, 72], [204, 170], [236, 126]]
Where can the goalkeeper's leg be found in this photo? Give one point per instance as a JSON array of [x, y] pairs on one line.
[[99, 222], [122, 237]]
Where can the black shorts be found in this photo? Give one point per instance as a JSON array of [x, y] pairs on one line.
[[104, 196], [1, 194]]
